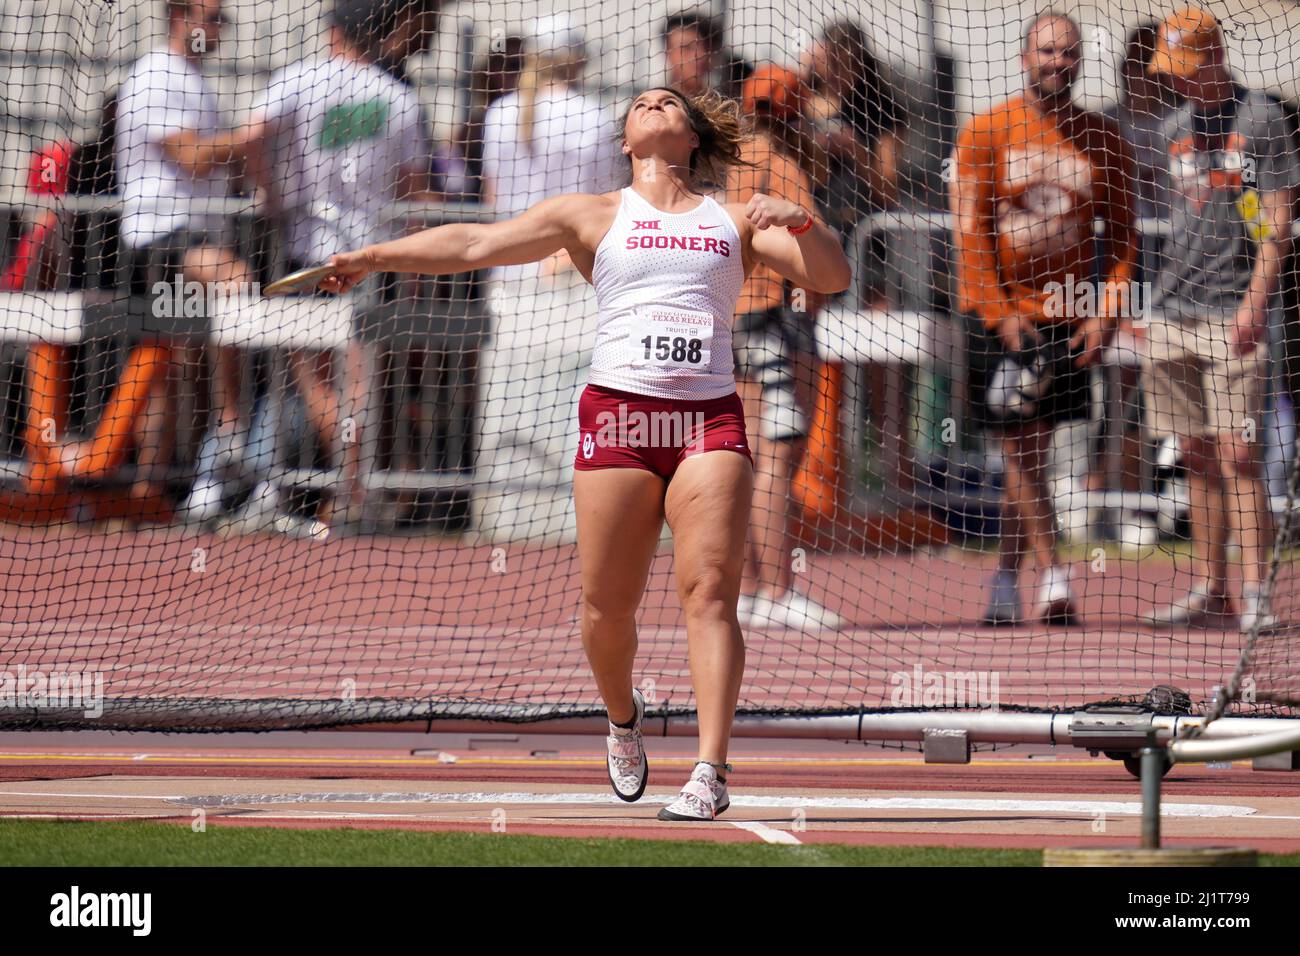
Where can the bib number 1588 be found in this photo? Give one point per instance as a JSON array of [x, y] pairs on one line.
[[673, 348]]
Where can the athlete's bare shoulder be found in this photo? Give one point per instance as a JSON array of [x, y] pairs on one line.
[[589, 215], [736, 210]]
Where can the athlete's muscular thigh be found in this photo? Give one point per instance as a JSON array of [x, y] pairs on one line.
[[707, 507], [619, 514]]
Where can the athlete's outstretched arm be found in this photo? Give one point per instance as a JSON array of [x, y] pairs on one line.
[[812, 260], [546, 228]]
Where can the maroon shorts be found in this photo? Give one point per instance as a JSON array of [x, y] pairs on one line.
[[624, 430]]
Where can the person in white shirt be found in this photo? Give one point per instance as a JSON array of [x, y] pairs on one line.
[[547, 138], [342, 139], [168, 154]]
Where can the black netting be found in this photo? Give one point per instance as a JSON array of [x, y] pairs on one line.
[[1026, 427]]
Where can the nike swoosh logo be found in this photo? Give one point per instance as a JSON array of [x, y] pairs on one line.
[[716, 225]]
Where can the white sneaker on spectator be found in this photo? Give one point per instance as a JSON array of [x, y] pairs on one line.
[[802, 613], [1255, 611], [296, 526], [1055, 598], [203, 503], [757, 611], [745, 608], [703, 798], [257, 514]]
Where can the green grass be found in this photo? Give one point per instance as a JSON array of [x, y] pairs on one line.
[[52, 843]]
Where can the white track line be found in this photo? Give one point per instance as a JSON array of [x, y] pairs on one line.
[[971, 804], [766, 833]]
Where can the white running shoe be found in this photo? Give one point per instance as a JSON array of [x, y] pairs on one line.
[[792, 610], [628, 770], [296, 526], [703, 798], [257, 515], [1255, 611], [203, 503], [1055, 599], [805, 614], [1199, 608]]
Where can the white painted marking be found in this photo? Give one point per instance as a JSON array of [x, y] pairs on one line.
[[766, 833], [967, 804]]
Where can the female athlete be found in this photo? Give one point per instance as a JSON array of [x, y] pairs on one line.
[[667, 264]]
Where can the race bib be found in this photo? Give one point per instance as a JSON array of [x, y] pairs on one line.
[[671, 338]]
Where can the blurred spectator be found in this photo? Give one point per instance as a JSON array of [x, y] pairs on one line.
[[776, 355], [856, 121], [697, 58], [1032, 175], [548, 137], [344, 141], [167, 154], [407, 28], [1233, 182], [458, 165], [545, 139], [853, 123], [1143, 106]]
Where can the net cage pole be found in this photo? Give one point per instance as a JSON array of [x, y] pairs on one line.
[[1083, 729], [1192, 746]]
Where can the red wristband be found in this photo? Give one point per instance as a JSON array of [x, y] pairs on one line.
[[800, 230]]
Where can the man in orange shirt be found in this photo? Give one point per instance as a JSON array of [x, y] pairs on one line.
[[776, 355], [1041, 207]]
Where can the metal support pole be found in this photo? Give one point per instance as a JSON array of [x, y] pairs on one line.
[[1153, 771]]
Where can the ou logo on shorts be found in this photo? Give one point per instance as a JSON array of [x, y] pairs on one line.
[[588, 445]]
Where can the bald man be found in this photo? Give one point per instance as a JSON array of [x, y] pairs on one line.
[[1032, 176]]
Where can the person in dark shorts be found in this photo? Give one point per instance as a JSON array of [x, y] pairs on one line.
[[775, 349], [1052, 387], [169, 149], [1033, 176]]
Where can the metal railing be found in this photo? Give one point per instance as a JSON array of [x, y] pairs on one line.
[[416, 350]]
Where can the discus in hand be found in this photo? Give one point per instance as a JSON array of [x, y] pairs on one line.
[[301, 281]]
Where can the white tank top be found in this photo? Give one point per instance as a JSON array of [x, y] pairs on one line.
[[666, 289]]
